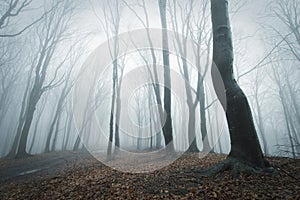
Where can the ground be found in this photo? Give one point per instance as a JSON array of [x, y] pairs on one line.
[[77, 175]]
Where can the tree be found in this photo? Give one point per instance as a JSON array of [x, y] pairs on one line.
[[55, 27], [258, 112], [245, 153], [287, 11], [10, 71], [202, 40], [58, 112], [285, 67], [167, 128], [283, 96], [12, 9], [151, 69], [182, 48], [111, 26]]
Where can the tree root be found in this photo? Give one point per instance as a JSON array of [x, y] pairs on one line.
[[236, 167]]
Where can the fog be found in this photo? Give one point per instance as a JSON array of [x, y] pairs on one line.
[[85, 74]]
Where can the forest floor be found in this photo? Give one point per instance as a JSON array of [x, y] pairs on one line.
[[72, 175]]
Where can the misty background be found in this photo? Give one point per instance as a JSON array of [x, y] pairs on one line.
[[45, 44]]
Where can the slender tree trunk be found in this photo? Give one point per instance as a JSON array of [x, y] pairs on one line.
[[245, 145], [167, 128], [288, 128], [68, 122], [296, 107], [77, 143], [191, 131], [261, 126], [56, 132], [117, 135], [192, 106], [51, 130], [68, 132], [118, 113], [285, 111], [38, 118], [150, 119], [57, 114], [206, 145], [112, 111]]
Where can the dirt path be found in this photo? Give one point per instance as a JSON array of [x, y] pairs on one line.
[[39, 165]]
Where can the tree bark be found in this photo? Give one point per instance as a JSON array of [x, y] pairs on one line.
[[245, 147], [206, 145], [33, 100], [112, 111], [167, 128]]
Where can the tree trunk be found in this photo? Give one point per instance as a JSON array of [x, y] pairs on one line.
[[167, 128], [260, 124], [245, 147], [38, 118], [67, 130], [57, 115], [112, 111], [117, 129], [77, 143], [33, 99], [192, 106], [23, 110], [191, 131], [206, 146], [56, 132]]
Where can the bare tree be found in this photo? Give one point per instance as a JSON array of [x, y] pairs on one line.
[[10, 71], [39, 113], [111, 26], [186, 12], [54, 29], [258, 116], [58, 112], [13, 9], [201, 38], [167, 128], [245, 153], [151, 70], [288, 11], [283, 96]]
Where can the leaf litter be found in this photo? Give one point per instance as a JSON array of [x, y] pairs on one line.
[[90, 179]]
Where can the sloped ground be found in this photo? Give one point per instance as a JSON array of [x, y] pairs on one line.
[[89, 179]]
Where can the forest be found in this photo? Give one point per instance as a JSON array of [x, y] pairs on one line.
[[160, 99]]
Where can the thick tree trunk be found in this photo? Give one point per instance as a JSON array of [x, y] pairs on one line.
[[33, 100], [167, 128], [245, 147]]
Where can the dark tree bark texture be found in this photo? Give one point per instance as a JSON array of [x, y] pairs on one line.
[[167, 128], [246, 153]]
